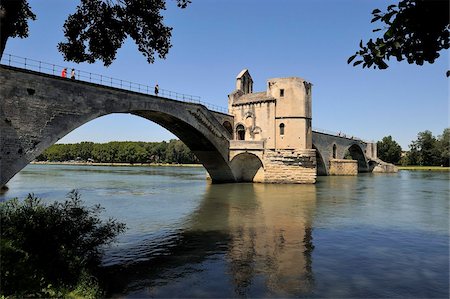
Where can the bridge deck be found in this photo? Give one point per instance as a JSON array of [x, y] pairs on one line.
[[53, 70]]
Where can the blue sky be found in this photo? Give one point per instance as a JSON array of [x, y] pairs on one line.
[[214, 39]]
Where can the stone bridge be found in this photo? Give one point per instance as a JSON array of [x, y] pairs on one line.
[[334, 147], [38, 109]]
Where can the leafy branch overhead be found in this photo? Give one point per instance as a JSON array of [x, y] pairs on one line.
[[98, 28], [415, 30]]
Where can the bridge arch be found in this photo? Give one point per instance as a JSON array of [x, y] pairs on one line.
[[31, 129], [357, 153], [321, 168], [247, 167]]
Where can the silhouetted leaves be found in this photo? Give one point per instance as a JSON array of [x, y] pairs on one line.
[[98, 28], [14, 15], [415, 30]]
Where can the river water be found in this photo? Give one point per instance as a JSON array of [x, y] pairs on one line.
[[376, 236]]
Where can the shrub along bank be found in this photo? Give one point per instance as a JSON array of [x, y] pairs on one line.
[[52, 250]]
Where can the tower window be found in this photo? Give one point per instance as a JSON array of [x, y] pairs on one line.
[[281, 92], [281, 129], [240, 130]]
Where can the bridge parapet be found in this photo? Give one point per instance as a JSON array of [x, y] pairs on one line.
[[80, 75], [340, 135]]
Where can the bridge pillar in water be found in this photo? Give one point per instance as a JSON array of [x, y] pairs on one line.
[[343, 167]]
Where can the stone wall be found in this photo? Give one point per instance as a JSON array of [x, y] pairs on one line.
[[343, 167], [289, 166]]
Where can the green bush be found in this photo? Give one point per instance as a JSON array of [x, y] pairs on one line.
[[51, 250]]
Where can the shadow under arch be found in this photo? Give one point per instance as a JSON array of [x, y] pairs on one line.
[[38, 126], [320, 164], [357, 154], [246, 166]]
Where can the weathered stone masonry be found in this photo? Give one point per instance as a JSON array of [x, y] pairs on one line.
[[266, 136], [285, 166]]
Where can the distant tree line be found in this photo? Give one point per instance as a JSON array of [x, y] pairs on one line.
[[173, 151], [426, 150]]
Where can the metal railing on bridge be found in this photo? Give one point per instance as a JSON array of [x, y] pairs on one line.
[[80, 75], [340, 134]]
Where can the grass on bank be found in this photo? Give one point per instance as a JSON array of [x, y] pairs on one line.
[[424, 168]]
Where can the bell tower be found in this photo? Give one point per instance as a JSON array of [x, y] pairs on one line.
[[244, 82]]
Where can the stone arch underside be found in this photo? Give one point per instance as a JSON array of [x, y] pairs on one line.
[[357, 154], [247, 167], [204, 149], [31, 122], [320, 163]]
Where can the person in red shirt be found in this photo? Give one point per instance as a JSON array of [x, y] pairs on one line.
[[64, 73]]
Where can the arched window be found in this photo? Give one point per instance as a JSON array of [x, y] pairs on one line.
[[281, 129], [240, 132], [334, 151]]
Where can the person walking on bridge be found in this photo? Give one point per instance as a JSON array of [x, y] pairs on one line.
[[64, 73], [156, 89], [72, 74]]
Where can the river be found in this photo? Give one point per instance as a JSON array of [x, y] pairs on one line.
[[371, 236]]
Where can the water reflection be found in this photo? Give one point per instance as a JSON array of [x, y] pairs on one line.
[[271, 240], [262, 232]]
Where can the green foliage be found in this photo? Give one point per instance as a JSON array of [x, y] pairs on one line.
[[404, 161], [86, 288], [389, 150], [98, 28], [444, 147], [415, 30], [121, 152], [47, 249], [347, 155], [430, 151]]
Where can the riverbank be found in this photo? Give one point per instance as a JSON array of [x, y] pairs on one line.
[[83, 163], [424, 168]]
